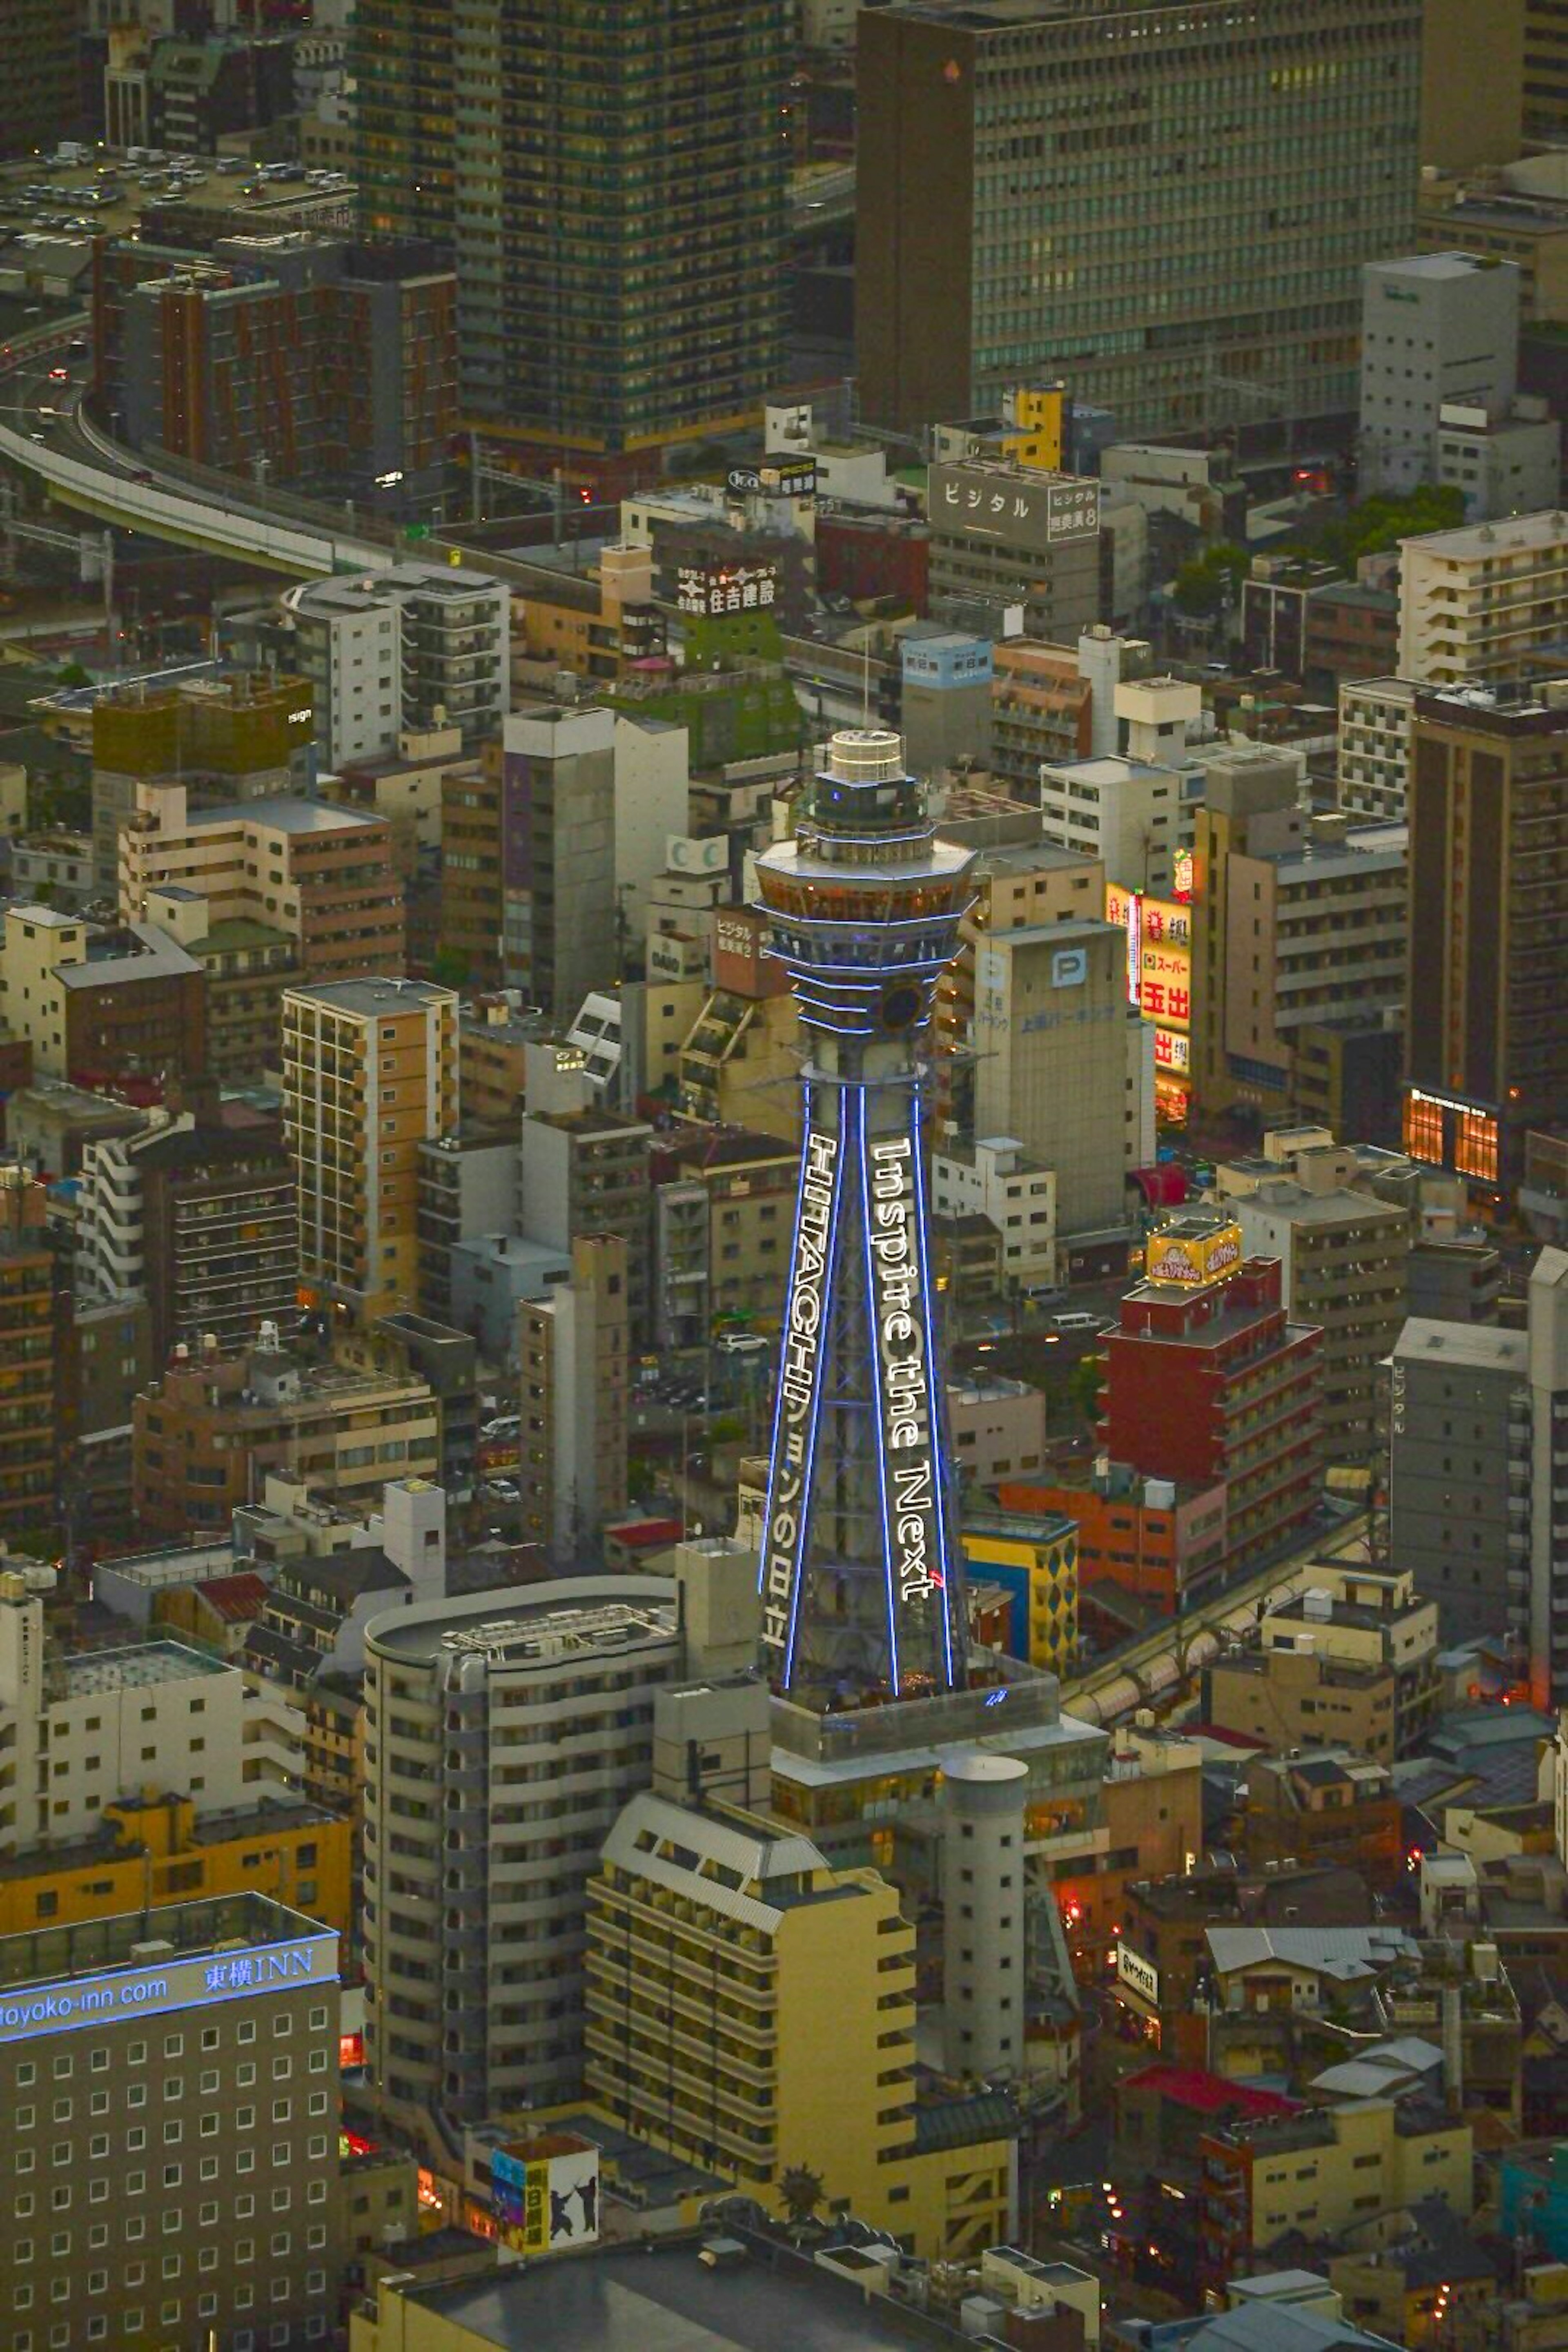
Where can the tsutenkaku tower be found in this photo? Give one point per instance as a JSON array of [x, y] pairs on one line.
[[861, 1575]]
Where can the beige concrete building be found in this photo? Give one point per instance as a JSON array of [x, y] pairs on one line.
[[1059, 1070], [369, 1071], [1484, 603], [172, 2103], [1343, 1257], [321, 876], [1299, 936], [997, 1428], [571, 1400]]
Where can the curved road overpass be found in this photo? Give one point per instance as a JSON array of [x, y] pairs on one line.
[[83, 468]]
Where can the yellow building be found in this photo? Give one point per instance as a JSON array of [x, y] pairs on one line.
[[369, 1071], [751, 2010], [1035, 1562], [1323, 2171], [156, 1849]]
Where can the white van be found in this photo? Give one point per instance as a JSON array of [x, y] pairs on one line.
[[1075, 1322]]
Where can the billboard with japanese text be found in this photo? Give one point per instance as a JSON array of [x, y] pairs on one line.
[[1036, 514]]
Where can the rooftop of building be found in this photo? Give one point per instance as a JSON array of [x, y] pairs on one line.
[[1194, 2089], [1484, 542], [534, 1625], [282, 814], [1438, 267], [373, 999], [118, 1838], [138, 952], [1111, 767], [48, 1956], [1477, 1347], [138, 1666], [1345, 1206], [731, 1862], [1346, 1953], [706, 1149], [659, 2295]]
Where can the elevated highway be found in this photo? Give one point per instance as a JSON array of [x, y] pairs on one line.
[[83, 468]]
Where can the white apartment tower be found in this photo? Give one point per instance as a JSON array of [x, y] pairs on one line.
[[504, 1732]]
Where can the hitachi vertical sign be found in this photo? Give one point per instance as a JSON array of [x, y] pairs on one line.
[[795, 1433]]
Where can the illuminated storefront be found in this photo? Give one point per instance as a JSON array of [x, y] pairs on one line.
[[1160, 982]]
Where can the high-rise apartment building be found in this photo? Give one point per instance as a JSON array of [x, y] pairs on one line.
[[1026, 182], [1478, 1488], [1483, 603], [200, 1220], [583, 1170], [612, 189], [27, 1431], [1299, 930], [1343, 1262], [1486, 1040], [714, 1943], [502, 1736], [171, 2082], [419, 648], [1208, 1380], [369, 1071], [572, 1401], [1460, 1474]]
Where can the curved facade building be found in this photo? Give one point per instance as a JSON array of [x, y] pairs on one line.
[[861, 1574]]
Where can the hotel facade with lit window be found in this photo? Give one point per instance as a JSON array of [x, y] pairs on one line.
[[1487, 978]]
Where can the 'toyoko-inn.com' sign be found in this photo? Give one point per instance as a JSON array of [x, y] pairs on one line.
[[71, 2004]]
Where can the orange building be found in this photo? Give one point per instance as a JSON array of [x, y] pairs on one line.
[[1157, 1538], [370, 1072]]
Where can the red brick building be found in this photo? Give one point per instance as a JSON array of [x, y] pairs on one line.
[[1210, 1382]]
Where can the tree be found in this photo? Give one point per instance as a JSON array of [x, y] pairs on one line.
[[1205, 581], [1083, 1386], [450, 968], [74, 674], [800, 2189]]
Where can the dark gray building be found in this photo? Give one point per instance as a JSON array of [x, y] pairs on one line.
[[1460, 1474]]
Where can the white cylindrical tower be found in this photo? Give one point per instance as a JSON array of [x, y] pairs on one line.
[[982, 1913]]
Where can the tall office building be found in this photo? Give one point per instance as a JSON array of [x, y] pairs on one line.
[[1131, 195], [28, 1429], [861, 1573], [1478, 1491], [571, 1398], [1437, 329], [503, 1734], [1485, 1042], [369, 1071], [611, 185]]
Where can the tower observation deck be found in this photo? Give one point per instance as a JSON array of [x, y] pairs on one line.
[[861, 1574]]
